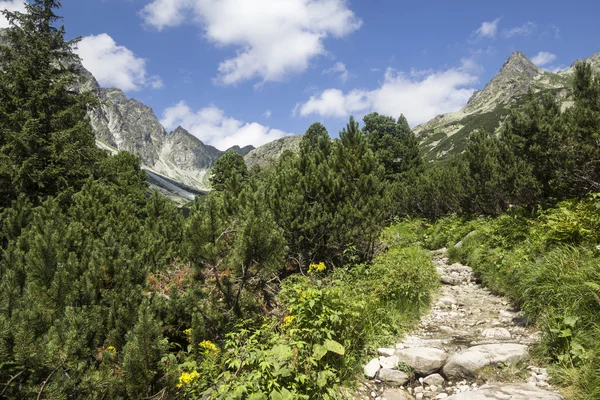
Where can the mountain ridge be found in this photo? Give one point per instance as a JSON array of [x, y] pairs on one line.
[[448, 133]]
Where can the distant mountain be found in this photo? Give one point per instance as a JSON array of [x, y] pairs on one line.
[[448, 133], [126, 124]]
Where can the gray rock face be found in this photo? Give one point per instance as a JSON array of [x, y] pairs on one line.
[[521, 391], [465, 363], [393, 377], [423, 360]]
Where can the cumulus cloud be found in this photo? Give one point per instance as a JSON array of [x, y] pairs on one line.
[[527, 29], [339, 68], [212, 126], [419, 97], [543, 58], [114, 65], [487, 29], [10, 5], [273, 38]]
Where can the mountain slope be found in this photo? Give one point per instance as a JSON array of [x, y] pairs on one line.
[[447, 134]]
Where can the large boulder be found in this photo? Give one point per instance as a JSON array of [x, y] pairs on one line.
[[499, 391], [465, 363], [424, 360]]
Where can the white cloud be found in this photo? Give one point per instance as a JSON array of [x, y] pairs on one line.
[[212, 126], [419, 97], [267, 114], [10, 5], [487, 29], [274, 38], [114, 65], [527, 29], [543, 58], [339, 68]]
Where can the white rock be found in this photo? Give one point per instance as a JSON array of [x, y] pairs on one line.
[[519, 391], [424, 360], [442, 396], [447, 301], [370, 370], [419, 396], [465, 363]]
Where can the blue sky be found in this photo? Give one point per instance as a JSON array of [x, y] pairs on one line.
[[249, 71]]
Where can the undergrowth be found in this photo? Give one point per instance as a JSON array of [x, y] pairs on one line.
[[328, 322]]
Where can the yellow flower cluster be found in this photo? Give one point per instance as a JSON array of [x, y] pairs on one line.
[[111, 349], [208, 346], [289, 320], [187, 378], [188, 331], [320, 267]]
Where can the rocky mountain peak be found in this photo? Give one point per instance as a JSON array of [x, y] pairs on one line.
[[515, 78], [520, 64]]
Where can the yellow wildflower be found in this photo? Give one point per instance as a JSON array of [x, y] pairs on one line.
[[208, 346], [289, 320], [111, 349], [188, 331], [314, 268], [186, 378]]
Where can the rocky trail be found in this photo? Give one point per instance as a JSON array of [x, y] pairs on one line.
[[472, 346]]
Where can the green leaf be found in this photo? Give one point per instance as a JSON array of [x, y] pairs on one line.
[[334, 347], [319, 351], [282, 394], [571, 321]]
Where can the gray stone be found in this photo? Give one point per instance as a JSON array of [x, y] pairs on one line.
[[396, 394], [424, 360], [393, 377], [496, 333], [499, 391], [434, 379], [370, 370], [465, 363]]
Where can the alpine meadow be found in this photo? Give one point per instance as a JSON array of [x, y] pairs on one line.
[[449, 251]]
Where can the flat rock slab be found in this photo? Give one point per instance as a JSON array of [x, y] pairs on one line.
[[424, 360], [465, 363], [499, 391]]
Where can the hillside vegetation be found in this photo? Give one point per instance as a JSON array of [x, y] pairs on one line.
[[281, 280]]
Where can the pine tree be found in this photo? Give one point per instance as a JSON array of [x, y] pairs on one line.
[[394, 144], [46, 141]]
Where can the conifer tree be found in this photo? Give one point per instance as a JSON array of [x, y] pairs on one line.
[[46, 141], [393, 143]]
